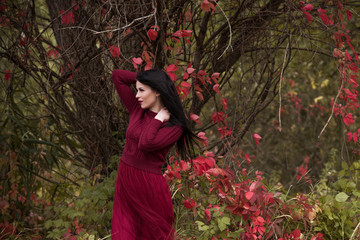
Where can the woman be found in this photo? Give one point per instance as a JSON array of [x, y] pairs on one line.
[[142, 203]]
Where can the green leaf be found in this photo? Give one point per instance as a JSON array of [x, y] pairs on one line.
[[318, 229], [344, 165], [341, 184], [351, 185], [226, 220], [202, 226], [356, 193], [223, 222], [48, 224], [341, 197]]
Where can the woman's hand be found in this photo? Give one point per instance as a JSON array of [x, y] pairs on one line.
[[163, 115]]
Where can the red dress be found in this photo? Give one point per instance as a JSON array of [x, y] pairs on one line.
[[142, 202]]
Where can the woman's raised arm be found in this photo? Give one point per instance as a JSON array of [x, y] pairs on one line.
[[122, 80]]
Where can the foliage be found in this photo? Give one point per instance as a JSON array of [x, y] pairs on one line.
[[339, 198], [60, 123], [87, 215], [224, 204]]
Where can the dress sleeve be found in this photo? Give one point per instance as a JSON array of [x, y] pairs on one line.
[[122, 79], [155, 137]]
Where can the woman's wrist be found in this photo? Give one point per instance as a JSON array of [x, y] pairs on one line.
[[159, 118]]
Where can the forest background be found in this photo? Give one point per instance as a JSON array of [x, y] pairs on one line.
[[270, 86]]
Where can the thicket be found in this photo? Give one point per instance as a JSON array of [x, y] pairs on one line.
[[271, 88]]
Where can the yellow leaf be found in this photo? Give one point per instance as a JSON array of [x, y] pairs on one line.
[[318, 99], [325, 83]]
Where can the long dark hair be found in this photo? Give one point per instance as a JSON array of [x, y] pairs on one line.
[[160, 81]]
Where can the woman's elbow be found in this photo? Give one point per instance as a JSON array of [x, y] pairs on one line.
[[145, 147]]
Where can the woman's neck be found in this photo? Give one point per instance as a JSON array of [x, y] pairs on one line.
[[157, 108]]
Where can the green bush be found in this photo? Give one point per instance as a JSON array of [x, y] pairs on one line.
[[338, 194], [87, 216]]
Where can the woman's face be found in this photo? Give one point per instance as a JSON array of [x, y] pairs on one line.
[[147, 97]]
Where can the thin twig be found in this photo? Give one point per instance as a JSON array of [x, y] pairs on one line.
[[280, 86], [229, 45], [332, 110], [352, 235], [112, 30]]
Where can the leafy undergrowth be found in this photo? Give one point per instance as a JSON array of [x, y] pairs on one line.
[[209, 203], [216, 203]]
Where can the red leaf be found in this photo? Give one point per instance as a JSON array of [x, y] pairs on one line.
[[215, 77], [213, 171], [348, 119], [209, 162], [197, 88], [353, 81], [152, 33], [308, 7], [325, 19], [347, 56], [308, 16], [202, 135], [320, 10], [224, 103], [67, 18], [337, 53], [172, 76], [206, 6], [296, 234], [255, 186], [260, 219], [207, 214], [185, 84], [76, 7], [210, 155], [136, 62], [115, 51], [190, 70], [195, 118], [184, 166], [249, 195], [7, 75], [172, 68], [182, 33], [247, 158], [216, 88], [217, 117], [202, 73], [204, 139], [149, 65], [189, 203], [52, 53], [349, 15], [186, 75], [186, 33], [199, 95], [353, 136], [257, 138]]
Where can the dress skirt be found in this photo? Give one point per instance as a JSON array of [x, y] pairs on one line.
[[142, 206]]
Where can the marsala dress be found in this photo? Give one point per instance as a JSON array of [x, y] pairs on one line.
[[142, 202]]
